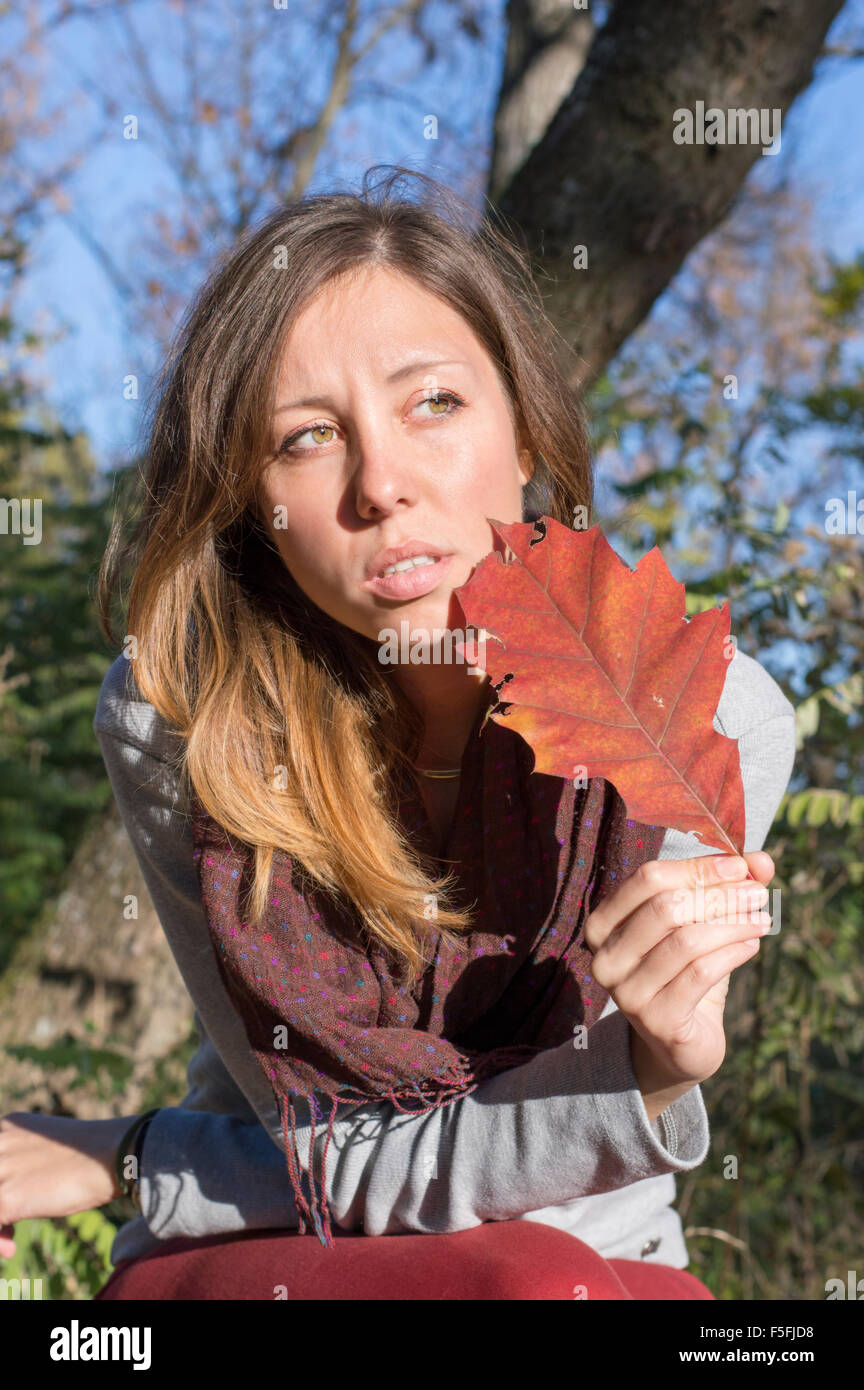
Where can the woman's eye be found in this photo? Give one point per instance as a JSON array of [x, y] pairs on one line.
[[435, 400], [448, 398], [290, 440]]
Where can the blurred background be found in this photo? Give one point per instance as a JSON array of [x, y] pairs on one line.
[[712, 295]]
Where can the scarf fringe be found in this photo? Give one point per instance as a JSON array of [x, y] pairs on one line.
[[317, 1212]]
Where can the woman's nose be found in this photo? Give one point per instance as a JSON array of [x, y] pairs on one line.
[[382, 474]]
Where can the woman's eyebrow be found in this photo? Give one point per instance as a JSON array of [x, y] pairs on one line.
[[394, 376]]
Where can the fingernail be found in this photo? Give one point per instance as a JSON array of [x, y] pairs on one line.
[[730, 866]]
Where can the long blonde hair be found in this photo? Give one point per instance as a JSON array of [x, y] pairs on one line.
[[292, 730]]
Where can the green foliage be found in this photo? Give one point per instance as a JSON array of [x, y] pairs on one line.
[[52, 661], [70, 1255], [840, 292], [90, 1063]]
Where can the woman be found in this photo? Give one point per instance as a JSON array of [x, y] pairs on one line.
[[361, 376]]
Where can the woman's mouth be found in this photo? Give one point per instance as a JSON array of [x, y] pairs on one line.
[[422, 578]]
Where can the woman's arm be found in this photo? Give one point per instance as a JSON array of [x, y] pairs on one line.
[[568, 1124]]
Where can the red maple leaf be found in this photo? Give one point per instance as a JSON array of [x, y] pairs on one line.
[[605, 672]]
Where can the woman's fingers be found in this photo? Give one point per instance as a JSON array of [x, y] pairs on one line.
[[682, 995], [657, 876], [668, 914], [760, 864], [682, 955]]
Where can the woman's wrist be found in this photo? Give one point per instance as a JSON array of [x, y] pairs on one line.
[[54, 1165], [100, 1140], [657, 1093], [127, 1156]]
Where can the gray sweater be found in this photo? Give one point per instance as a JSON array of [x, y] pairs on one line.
[[563, 1139]]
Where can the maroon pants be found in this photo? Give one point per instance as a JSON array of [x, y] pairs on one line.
[[498, 1260]]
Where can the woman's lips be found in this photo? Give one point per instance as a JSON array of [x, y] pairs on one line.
[[410, 583]]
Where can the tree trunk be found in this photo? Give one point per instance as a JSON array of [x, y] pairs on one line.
[[607, 174]]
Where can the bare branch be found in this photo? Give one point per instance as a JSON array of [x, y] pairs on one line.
[[841, 50], [312, 137], [395, 15]]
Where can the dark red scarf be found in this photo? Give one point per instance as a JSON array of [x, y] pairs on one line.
[[324, 1015]]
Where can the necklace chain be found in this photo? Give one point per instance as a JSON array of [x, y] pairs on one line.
[[443, 772]]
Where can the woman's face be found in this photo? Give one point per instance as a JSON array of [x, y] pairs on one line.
[[369, 462]]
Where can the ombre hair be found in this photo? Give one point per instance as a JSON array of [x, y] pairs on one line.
[[294, 738]]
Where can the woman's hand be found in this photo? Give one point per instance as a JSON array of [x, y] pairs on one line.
[[665, 943], [54, 1165]]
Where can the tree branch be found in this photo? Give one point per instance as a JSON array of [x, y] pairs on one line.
[[547, 44]]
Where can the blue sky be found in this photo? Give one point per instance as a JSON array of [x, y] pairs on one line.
[[823, 136]]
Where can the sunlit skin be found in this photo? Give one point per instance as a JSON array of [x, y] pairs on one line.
[[373, 462]]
